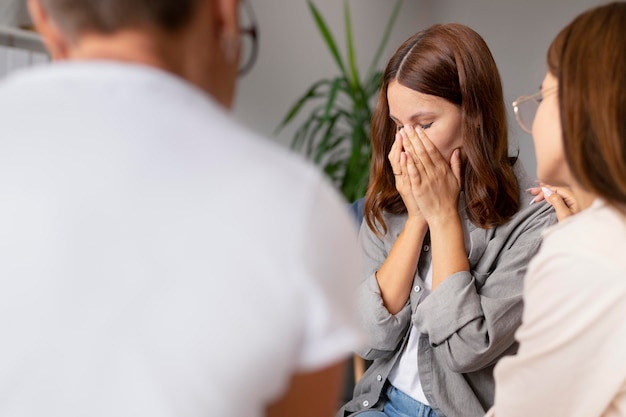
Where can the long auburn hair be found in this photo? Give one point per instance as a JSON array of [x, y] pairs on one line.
[[453, 62], [588, 58]]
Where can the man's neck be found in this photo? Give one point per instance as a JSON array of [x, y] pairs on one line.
[[156, 50]]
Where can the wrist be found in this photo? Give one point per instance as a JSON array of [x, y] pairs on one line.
[[416, 223], [443, 220]]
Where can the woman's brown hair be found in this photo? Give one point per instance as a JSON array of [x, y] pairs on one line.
[[453, 62], [588, 57]]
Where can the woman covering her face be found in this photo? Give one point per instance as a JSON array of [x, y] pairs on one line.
[[573, 337], [448, 232]]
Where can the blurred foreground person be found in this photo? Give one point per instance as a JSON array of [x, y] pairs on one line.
[[157, 259]]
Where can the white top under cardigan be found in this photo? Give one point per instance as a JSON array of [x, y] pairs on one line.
[[405, 373]]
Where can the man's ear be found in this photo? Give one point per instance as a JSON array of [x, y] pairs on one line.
[[228, 19], [229, 14], [56, 43]]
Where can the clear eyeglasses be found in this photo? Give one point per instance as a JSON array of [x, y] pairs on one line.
[[525, 108], [249, 38]]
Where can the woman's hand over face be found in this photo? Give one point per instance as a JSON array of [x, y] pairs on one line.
[[398, 160], [434, 182]]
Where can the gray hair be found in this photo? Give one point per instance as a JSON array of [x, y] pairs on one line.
[[108, 16]]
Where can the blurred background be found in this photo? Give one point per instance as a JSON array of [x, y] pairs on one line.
[[292, 53]]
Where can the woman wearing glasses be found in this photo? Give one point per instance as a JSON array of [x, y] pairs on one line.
[[448, 233], [573, 336], [561, 198]]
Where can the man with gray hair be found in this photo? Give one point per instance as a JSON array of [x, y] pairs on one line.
[[158, 259]]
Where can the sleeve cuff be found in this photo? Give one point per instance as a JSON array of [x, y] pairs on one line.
[[450, 307]]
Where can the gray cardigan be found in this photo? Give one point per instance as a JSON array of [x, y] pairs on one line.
[[466, 325]]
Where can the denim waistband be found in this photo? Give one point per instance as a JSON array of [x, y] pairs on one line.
[[399, 404]]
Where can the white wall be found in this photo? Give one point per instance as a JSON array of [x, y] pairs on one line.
[[292, 54]]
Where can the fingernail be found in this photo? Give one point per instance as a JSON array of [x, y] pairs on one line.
[[534, 200], [546, 191]]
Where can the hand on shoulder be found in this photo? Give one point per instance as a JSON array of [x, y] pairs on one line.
[[561, 198]]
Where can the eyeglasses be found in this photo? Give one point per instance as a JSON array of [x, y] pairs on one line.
[[249, 38], [525, 108]]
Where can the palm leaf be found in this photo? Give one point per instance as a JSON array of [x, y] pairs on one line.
[[350, 45], [332, 95], [328, 37], [300, 137], [311, 94], [330, 140], [335, 134], [383, 41]]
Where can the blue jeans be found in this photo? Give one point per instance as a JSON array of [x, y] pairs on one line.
[[398, 404]]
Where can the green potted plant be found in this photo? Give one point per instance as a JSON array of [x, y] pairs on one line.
[[336, 133]]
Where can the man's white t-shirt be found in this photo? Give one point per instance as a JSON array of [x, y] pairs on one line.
[[157, 259]]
